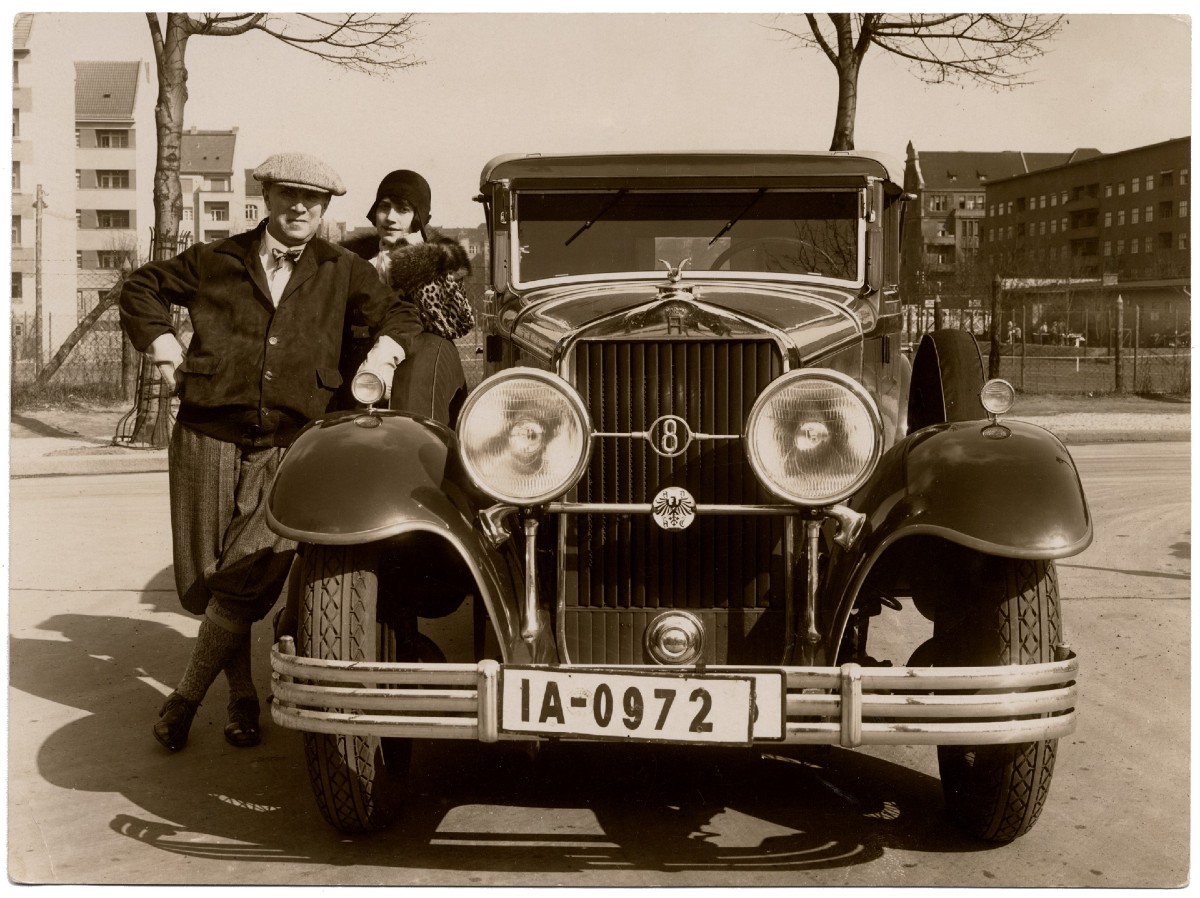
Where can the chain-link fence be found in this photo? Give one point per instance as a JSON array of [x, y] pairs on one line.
[[1085, 350]]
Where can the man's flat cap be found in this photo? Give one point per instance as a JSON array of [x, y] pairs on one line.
[[300, 170]]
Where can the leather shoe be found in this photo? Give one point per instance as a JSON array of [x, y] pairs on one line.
[[174, 721], [242, 730]]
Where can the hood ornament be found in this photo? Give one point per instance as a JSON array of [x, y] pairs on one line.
[[675, 273]]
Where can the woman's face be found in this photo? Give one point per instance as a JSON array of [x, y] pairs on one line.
[[393, 221]]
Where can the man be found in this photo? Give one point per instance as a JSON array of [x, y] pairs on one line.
[[269, 311]]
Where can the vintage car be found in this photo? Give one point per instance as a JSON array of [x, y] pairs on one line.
[[699, 469]]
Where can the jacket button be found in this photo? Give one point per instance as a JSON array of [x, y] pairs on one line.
[[273, 340], [265, 412], [269, 376]]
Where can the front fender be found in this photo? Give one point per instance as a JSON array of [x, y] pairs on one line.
[[1008, 489], [369, 476]]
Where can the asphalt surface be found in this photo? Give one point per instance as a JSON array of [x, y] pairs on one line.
[[40, 448]]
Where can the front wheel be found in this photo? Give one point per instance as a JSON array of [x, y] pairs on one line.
[[357, 780], [996, 792]]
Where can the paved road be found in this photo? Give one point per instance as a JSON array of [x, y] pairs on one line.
[[96, 639]]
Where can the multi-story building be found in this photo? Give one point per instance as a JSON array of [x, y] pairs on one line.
[[1122, 219], [212, 209], [944, 223], [254, 207], [78, 213]]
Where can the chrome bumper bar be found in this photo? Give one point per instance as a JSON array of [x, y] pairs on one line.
[[847, 706]]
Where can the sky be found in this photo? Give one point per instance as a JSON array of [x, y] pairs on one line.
[[539, 82]]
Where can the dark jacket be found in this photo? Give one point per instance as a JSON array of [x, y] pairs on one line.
[[255, 374]]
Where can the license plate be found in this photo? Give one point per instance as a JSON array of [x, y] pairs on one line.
[[651, 707]]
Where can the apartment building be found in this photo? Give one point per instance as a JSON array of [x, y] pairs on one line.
[[944, 225], [211, 205]]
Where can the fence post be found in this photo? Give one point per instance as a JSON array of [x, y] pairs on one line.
[[1024, 346], [994, 352], [1117, 349], [1137, 342]]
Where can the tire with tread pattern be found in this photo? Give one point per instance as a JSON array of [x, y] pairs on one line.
[[357, 780], [996, 792], [947, 376]]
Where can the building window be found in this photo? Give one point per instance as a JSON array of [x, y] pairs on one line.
[[16, 230], [1166, 179], [1010, 232], [1183, 177], [1107, 190], [18, 286], [113, 180], [1164, 209], [78, 178], [112, 218], [216, 211], [1147, 245], [1135, 215], [1053, 253], [1183, 208], [187, 213], [1021, 229], [78, 259], [1183, 240], [16, 122], [16, 74], [251, 212], [937, 202], [991, 236], [216, 185], [1054, 226], [78, 219], [1135, 185], [1108, 219], [1164, 240], [1149, 183], [16, 176], [1063, 197], [1133, 247], [1121, 218], [1149, 214], [1108, 247], [112, 139], [77, 138], [109, 259], [1121, 189], [1064, 225], [1041, 229], [1120, 247]]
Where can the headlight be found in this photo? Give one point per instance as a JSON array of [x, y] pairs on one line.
[[814, 436], [524, 436], [366, 388], [997, 396]]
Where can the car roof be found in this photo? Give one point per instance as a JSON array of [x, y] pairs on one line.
[[628, 165]]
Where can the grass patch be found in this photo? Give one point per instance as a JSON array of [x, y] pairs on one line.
[[28, 396]]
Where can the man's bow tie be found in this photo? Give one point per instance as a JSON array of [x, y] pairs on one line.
[[282, 255]]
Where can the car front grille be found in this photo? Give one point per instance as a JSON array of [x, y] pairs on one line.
[[621, 570]]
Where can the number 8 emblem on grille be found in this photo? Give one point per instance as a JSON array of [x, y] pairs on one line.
[[670, 436]]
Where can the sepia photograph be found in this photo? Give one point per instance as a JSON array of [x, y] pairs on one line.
[[539, 448]]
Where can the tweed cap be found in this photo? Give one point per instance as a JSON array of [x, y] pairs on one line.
[[300, 170]]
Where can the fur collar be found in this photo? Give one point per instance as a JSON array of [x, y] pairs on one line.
[[411, 267]]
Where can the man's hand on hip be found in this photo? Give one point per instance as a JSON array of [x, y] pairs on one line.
[[167, 355]]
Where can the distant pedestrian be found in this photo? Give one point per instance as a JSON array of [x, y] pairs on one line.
[[269, 310], [427, 268]]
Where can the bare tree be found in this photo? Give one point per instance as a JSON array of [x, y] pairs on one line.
[[364, 42], [991, 49]]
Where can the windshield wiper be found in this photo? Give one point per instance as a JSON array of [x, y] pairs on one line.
[[721, 233], [599, 215]]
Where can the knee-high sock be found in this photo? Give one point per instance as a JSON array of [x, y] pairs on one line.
[[214, 647], [238, 672]]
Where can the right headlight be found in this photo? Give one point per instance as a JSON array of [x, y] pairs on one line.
[[814, 436], [524, 436]]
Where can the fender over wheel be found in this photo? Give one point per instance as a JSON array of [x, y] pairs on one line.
[[947, 376], [1007, 612], [357, 780]]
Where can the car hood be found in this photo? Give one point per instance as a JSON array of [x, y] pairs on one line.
[[812, 321]]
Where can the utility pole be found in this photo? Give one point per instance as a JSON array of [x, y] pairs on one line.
[[38, 205], [994, 352]]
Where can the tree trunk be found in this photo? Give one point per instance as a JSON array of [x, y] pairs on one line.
[[847, 106], [153, 410]]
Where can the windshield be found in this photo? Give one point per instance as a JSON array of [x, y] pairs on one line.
[[568, 233]]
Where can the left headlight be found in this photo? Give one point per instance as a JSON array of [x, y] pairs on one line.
[[524, 436], [814, 436]]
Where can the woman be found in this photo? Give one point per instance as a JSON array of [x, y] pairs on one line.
[[425, 267]]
